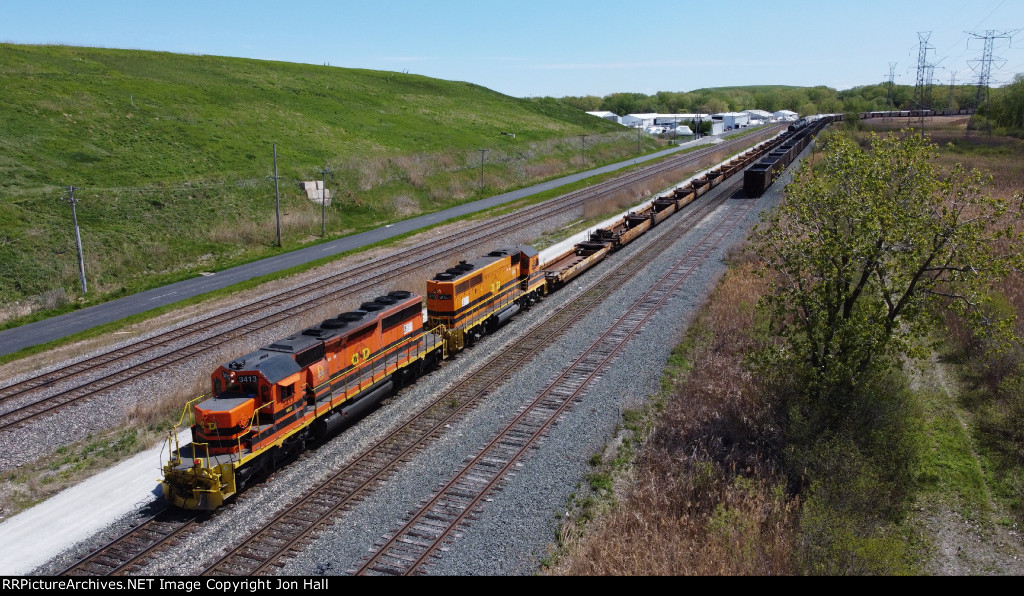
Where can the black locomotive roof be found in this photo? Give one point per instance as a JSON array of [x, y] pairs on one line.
[[275, 366], [293, 344], [467, 268]]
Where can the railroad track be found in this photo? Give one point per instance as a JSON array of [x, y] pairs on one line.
[[131, 550], [452, 507], [30, 399], [285, 535]]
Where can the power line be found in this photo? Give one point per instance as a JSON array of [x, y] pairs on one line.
[[78, 237], [984, 69], [483, 154], [952, 85], [324, 171], [277, 197]]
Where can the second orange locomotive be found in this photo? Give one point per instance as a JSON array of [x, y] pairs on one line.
[[476, 297]]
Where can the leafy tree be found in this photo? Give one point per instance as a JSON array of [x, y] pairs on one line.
[[869, 244], [626, 103], [712, 105], [1008, 109], [586, 103]]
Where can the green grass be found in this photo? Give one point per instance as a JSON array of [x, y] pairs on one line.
[[171, 155], [948, 464], [100, 330]]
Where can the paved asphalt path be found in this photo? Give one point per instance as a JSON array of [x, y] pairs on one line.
[[64, 325]]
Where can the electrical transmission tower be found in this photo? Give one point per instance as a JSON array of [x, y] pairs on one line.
[[923, 87], [922, 69], [888, 96], [984, 69], [952, 85]]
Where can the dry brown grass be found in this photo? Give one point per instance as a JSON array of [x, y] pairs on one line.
[[405, 206], [703, 496], [683, 519]]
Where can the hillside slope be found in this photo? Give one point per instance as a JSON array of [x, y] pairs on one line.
[[171, 157]]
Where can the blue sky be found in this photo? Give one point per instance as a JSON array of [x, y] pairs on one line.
[[557, 47]]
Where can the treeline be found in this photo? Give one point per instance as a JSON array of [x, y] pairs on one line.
[[1005, 104], [711, 101], [1006, 107]]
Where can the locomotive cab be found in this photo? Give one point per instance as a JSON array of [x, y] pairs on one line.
[[249, 395]]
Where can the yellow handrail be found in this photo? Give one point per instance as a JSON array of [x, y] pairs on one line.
[[251, 418], [174, 457]]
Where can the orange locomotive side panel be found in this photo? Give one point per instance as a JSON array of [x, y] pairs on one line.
[[470, 292], [476, 297], [381, 343]]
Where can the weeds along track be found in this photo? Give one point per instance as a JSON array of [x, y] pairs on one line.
[[47, 393], [285, 535]]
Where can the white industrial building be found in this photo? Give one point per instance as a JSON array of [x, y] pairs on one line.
[[759, 116], [639, 120], [608, 116], [675, 119], [663, 121], [785, 115], [732, 120]]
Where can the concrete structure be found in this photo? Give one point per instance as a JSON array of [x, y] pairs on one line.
[[316, 192], [785, 115]]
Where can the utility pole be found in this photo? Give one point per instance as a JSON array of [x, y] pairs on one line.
[[78, 238], [638, 140], [985, 70], [888, 96], [277, 197], [323, 202], [483, 153], [584, 149]]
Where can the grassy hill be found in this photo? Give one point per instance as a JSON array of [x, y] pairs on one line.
[[171, 155]]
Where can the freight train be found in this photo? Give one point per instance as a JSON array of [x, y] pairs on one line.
[[269, 405], [915, 113]]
